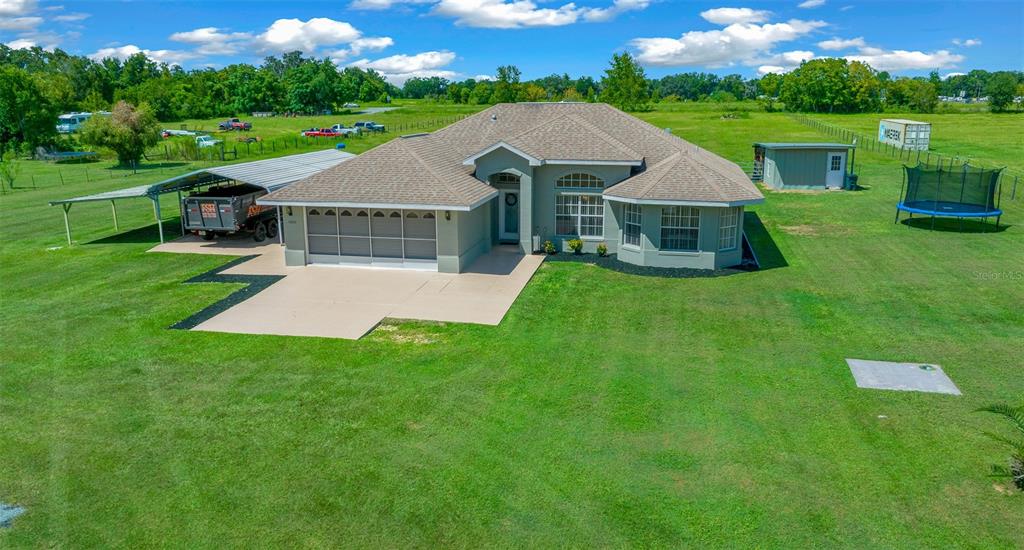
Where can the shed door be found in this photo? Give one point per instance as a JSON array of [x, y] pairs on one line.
[[836, 169]]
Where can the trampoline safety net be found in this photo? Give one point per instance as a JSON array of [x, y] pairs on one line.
[[964, 191]]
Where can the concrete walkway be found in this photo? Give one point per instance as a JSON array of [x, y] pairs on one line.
[[348, 302]]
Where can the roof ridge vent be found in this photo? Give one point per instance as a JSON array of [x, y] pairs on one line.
[[421, 134]]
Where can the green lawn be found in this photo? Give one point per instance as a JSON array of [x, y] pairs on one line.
[[606, 410]]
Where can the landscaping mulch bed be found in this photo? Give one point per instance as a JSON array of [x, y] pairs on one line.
[[614, 264], [254, 285]]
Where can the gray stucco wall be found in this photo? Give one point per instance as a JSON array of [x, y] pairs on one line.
[[294, 235], [462, 239], [706, 257], [501, 160], [544, 203]]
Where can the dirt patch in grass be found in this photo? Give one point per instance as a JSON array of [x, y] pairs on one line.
[[803, 230], [394, 333]]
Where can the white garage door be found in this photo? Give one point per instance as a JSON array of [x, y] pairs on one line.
[[398, 238]]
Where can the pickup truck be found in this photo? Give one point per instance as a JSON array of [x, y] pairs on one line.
[[234, 124], [345, 130], [228, 210], [369, 126], [320, 132], [206, 141]]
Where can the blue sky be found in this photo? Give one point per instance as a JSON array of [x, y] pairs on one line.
[[466, 38]]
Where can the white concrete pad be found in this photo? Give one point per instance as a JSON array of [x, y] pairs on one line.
[[885, 375], [348, 302]]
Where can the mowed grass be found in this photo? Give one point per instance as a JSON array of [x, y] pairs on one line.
[[605, 410]]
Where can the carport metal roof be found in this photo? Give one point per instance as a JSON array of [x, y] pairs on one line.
[[270, 174]]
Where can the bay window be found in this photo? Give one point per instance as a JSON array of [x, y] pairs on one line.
[[581, 215], [631, 224], [680, 228]]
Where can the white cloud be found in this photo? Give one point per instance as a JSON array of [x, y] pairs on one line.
[[518, 14], [171, 57], [774, 69], [399, 68], [743, 43], [214, 41], [286, 35], [618, 7], [19, 23], [842, 43], [951, 75], [14, 8], [71, 17], [728, 16], [480, 77], [783, 62], [903, 60], [970, 42], [20, 44], [383, 4], [811, 4], [361, 45]]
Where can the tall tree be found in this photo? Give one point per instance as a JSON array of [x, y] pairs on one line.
[[506, 89], [26, 114], [127, 132], [624, 84], [1000, 90]]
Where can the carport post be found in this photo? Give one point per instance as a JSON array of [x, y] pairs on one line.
[[113, 208], [181, 216], [280, 227], [67, 225], [156, 213]]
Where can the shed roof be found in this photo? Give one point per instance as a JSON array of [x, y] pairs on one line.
[[905, 121], [804, 145]]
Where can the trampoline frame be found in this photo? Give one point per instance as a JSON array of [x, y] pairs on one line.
[[936, 212]]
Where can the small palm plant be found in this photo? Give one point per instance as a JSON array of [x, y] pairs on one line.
[[1015, 415]]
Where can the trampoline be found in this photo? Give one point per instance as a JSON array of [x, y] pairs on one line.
[[960, 192]]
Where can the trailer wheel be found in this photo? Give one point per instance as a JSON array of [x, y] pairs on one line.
[[208, 236], [272, 229], [261, 232]]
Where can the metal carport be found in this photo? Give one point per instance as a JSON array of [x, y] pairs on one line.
[[271, 174]]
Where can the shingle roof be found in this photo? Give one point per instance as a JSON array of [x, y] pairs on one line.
[[428, 169]]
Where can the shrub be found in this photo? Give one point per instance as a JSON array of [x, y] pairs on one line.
[[1015, 465], [576, 246], [549, 247], [602, 250]]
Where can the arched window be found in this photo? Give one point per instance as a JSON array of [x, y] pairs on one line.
[[378, 214], [314, 212], [580, 180], [329, 213], [428, 216], [395, 215], [346, 213], [505, 178], [411, 215], [361, 214]]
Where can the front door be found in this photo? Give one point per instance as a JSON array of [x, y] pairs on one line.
[[508, 215], [836, 170]]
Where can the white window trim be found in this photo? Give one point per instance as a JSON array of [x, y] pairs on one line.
[[662, 227], [736, 227], [579, 216], [640, 227]]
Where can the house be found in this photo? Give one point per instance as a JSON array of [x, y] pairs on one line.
[[803, 165], [522, 174]]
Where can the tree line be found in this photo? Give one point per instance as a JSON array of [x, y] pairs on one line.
[[36, 85]]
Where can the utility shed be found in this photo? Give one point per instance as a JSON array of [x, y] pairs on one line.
[[907, 134], [270, 174], [804, 165]]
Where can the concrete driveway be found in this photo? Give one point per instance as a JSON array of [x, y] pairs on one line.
[[348, 302]]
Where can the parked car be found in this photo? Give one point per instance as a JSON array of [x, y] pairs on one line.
[[228, 210], [321, 132], [234, 124], [207, 141], [351, 106], [369, 126], [345, 130]]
